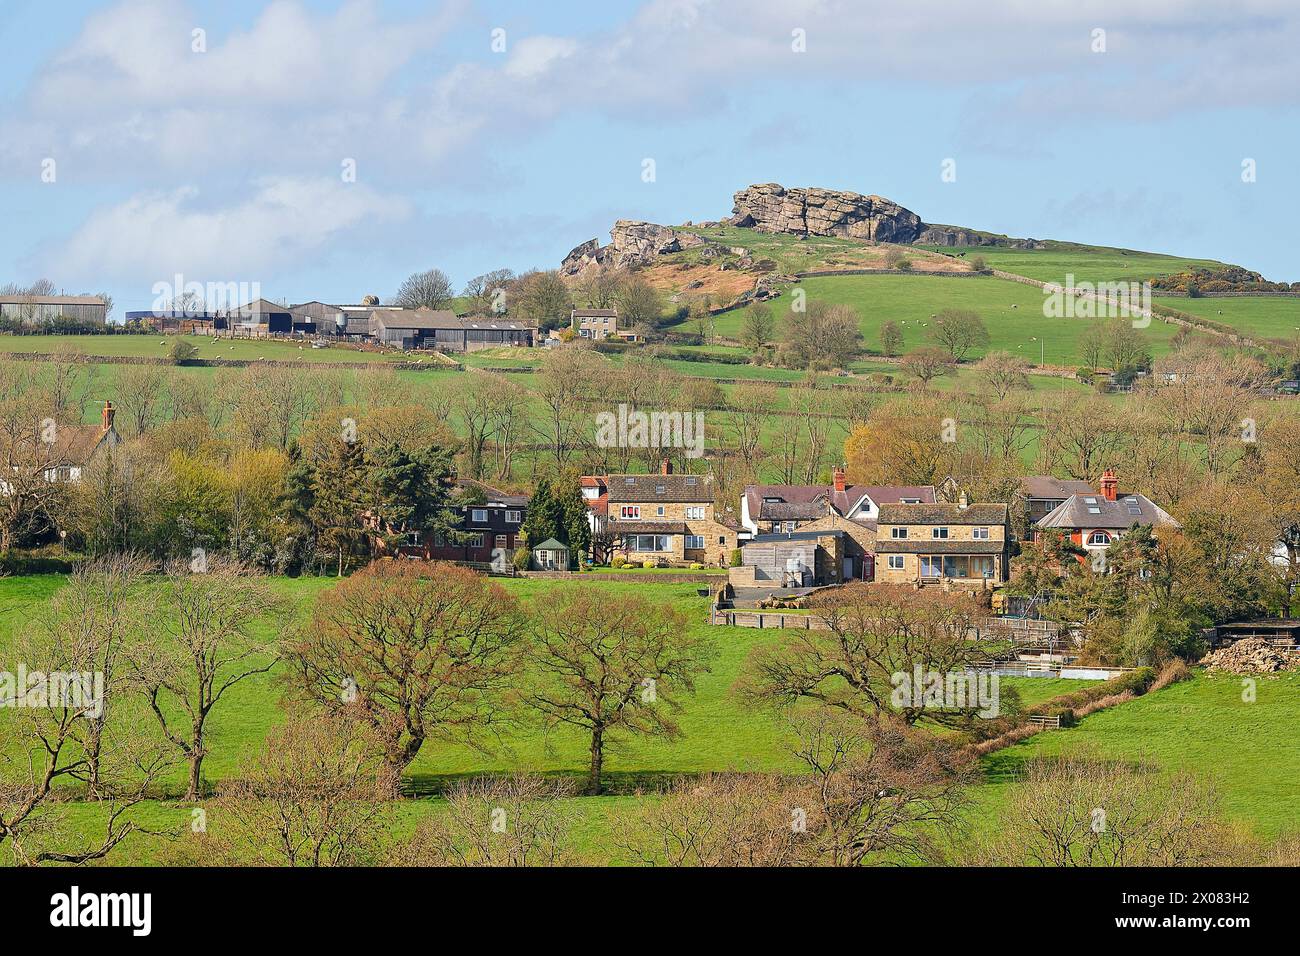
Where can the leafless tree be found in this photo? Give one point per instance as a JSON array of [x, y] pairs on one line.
[[425, 290]]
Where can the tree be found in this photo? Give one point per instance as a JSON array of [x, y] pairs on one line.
[[639, 305], [959, 331], [599, 287], [901, 441], [312, 797], [423, 652], [824, 337], [891, 339], [182, 352], [1084, 810], [1003, 373], [871, 633], [758, 327], [425, 290], [206, 644], [496, 821], [610, 665], [1092, 345], [542, 298], [487, 293], [926, 364]]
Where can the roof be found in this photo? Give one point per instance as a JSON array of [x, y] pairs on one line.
[[492, 496], [944, 512], [52, 300], [792, 536], [1046, 486], [259, 307], [682, 488], [1080, 512], [910, 546], [415, 318], [550, 544], [812, 501], [595, 313], [616, 526], [77, 443]]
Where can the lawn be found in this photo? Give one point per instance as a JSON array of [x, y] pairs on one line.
[[159, 346], [1085, 263]]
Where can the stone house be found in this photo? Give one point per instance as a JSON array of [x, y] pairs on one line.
[[961, 544], [666, 518]]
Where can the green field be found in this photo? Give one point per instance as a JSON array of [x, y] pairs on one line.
[[1012, 312], [1200, 725], [1272, 317], [159, 346], [1085, 263]]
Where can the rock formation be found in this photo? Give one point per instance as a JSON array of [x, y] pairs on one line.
[[633, 243], [768, 207]]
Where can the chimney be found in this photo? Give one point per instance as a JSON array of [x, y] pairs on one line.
[[106, 416], [1109, 485], [839, 480], [963, 502], [666, 467]]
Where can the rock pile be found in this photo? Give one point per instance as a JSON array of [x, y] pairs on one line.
[[1253, 655], [633, 243]]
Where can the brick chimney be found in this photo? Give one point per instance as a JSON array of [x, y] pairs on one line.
[[666, 467], [838, 476], [106, 416], [1109, 485]]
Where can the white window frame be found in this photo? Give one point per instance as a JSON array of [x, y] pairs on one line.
[[980, 534], [478, 515], [1099, 544], [694, 542], [898, 533], [896, 562], [939, 534], [514, 517]]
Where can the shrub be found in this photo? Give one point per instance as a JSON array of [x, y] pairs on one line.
[[522, 559], [649, 564], [618, 561], [735, 557], [696, 566]]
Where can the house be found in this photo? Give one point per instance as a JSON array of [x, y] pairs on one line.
[[36, 309], [1040, 494], [443, 329], [795, 560], [63, 453], [492, 517], [1095, 520], [851, 509], [666, 518], [597, 324], [959, 543]]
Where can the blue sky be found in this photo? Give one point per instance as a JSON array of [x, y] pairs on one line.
[[224, 163]]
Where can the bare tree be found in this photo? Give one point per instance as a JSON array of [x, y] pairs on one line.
[[610, 665], [312, 797], [1003, 373], [496, 821], [959, 331], [425, 290], [206, 644], [926, 364]]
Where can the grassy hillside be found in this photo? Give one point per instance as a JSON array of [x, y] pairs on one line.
[[1090, 263]]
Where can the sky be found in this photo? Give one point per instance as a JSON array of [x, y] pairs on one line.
[[326, 150]]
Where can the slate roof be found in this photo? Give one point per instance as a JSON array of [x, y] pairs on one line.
[[811, 501], [792, 536], [944, 512], [492, 495], [1047, 486], [1082, 512], [677, 488]]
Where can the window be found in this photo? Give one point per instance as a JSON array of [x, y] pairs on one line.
[[695, 513], [722, 539], [1099, 539], [980, 534], [690, 480], [502, 541], [659, 489], [910, 501], [659, 511], [514, 517], [895, 562], [931, 566], [413, 538], [629, 512], [650, 542], [898, 533], [695, 542], [940, 533], [790, 526], [478, 514], [477, 541]]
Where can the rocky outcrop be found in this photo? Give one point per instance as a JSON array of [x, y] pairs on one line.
[[933, 235], [769, 207], [633, 243]]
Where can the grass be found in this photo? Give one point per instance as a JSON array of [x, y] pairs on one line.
[[1012, 312], [1085, 263], [1200, 725], [1274, 317], [159, 346]]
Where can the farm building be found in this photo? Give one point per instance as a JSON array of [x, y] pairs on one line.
[[33, 309], [443, 329]]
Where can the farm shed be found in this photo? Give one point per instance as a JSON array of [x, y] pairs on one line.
[[797, 559]]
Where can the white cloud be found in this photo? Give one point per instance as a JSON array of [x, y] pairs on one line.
[[152, 236]]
